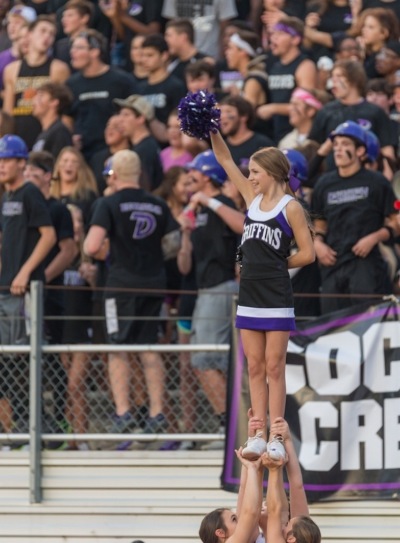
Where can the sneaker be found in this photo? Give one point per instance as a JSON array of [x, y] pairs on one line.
[[255, 447], [276, 449], [156, 425], [122, 424]]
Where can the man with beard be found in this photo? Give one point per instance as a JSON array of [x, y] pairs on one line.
[[237, 118]]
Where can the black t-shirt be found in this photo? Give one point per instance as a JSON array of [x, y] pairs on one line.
[[136, 222], [242, 153], [177, 67], [93, 104], [23, 212], [85, 204], [353, 207], [62, 222], [214, 247], [335, 113], [53, 139], [145, 12], [336, 19], [164, 96], [393, 5], [149, 154], [281, 84]]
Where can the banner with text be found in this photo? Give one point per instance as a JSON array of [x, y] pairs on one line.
[[343, 404]]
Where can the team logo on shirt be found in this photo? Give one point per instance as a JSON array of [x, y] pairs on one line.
[[286, 81], [11, 209], [347, 195], [143, 215], [271, 236]]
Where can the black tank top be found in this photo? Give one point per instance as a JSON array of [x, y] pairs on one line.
[[29, 79], [281, 83]]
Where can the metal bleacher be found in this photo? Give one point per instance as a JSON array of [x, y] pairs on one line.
[[155, 496]]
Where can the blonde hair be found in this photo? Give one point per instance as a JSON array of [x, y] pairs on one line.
[[85, 180], [275, 163]]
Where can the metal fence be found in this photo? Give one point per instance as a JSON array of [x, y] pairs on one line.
[[64, 396]]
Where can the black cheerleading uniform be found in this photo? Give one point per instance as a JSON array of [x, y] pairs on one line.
[[265, 292]]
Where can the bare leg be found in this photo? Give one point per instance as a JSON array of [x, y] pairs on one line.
[[119, 372], [188, 386], [213, 383], [254, 346], [77, 392], [275, 357], [154, 372]]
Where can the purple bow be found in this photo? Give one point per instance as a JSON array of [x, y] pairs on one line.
[[294, 182]]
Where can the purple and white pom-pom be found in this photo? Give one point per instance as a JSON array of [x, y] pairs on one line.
[[198, 114]]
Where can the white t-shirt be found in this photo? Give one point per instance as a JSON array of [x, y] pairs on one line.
[[205, 16]]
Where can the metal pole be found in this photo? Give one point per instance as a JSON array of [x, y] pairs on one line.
[[35, 392]]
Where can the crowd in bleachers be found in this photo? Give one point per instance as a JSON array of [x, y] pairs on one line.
[[83, 82]]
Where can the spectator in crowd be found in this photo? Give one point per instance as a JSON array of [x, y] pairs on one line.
[[361, 5], [116, 140], [74, 182], [17, 18], [348, 48], [50, 102], [303, 107], [200, 75], [78, 312], [6, 124], [379, 92], [94, 87], [351, 206], [387, 61], [237, 119], [23, 77], [349, 84], [175, 154], [5, 6], [27, 238], [38, 171], [179, 35], [128, 20], [243, 54], [209, 20], [214, 241], [176, 190], [327, 17], [161, 89], [75, 19], [135, 114], [378, 27], [139, 72], [292, 69], [135, 223]]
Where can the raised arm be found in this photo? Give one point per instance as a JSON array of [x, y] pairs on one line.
[[276, 499], [251, 503], [298, 499], [224, 157]]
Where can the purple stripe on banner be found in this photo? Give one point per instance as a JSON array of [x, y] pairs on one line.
[[233, 418], [351, 319], [255, 323]]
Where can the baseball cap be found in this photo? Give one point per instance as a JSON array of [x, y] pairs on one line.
[[26, 12], [137, 103]]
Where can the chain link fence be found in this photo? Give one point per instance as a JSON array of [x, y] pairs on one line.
[[80, 388]]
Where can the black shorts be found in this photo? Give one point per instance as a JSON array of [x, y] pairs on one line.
[[132, 319]]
